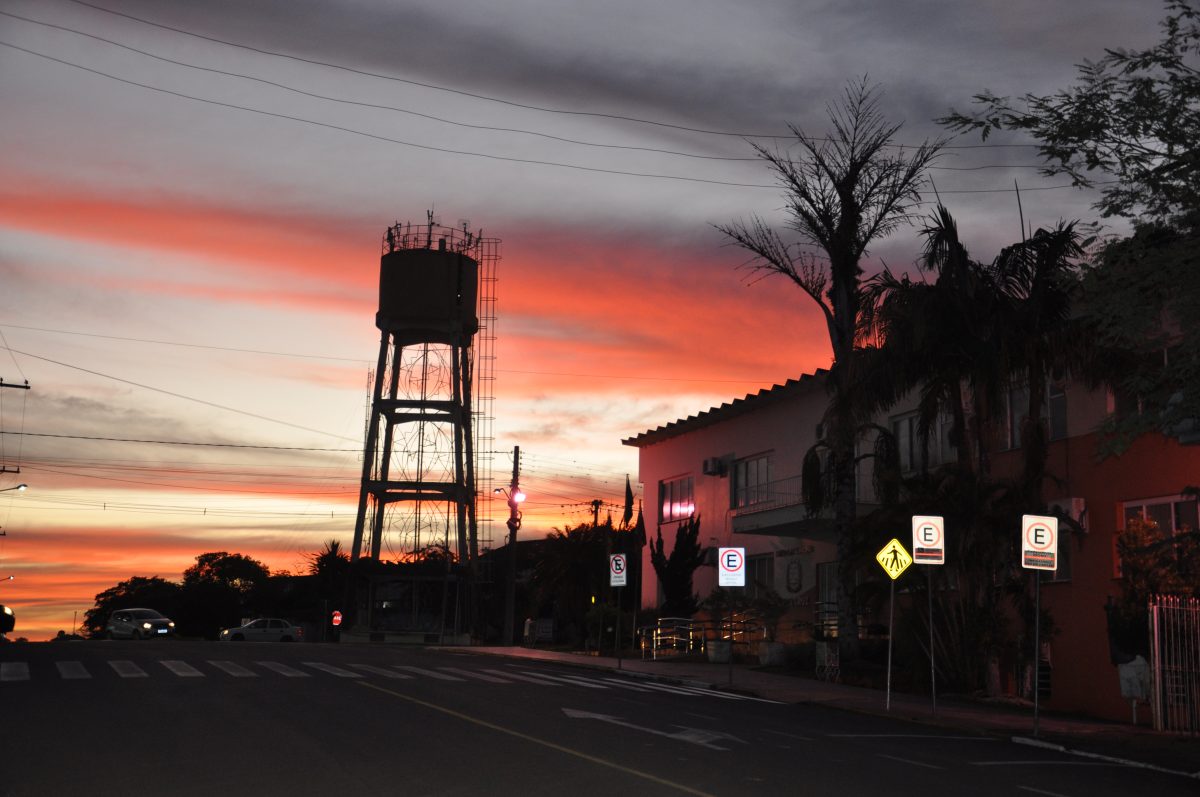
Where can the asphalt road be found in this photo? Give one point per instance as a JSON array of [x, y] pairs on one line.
[[205, 718]]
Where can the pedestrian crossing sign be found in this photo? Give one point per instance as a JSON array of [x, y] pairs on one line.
[[893, 559]]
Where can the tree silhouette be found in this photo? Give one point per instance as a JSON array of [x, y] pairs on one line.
[[675, 570]]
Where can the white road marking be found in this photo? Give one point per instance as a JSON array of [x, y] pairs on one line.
[[568, 679], [72, 670], [14, 671], [181, 668], [526, 678], [127, 669], [380, 671], [908, 736], [233, 668], [626, 685], [1047, 764], [478, 676], [329, 668], [908, 761], [441, 676], [283, 669]]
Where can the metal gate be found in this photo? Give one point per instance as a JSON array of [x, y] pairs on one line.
[[1175, 663]]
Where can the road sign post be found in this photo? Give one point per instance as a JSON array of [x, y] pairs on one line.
[[929, 548], [731, 572], [894, 560], [1039, 551], [618, 574]]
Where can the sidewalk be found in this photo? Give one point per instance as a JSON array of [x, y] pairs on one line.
[[1136, 746]]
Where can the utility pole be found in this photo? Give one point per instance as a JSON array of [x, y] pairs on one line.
[[596, 504], [515, 497], [4, 468]]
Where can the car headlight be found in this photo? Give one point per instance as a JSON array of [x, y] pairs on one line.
[[170, 624], [147, 626]]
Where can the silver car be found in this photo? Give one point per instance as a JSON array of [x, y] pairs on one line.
[[264, 629], [138, 624]]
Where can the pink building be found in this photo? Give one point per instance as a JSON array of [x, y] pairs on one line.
[[738, 467]]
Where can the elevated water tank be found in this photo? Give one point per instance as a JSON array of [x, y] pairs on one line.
[[428, 286]]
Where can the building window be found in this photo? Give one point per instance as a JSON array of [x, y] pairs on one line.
[[676, 499], [938, 451], [1054, 413], [760, 575], [751, 481], [827, 599], [1172, 514]]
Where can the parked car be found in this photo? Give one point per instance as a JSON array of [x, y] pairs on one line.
[[138, 624], [264, 629]]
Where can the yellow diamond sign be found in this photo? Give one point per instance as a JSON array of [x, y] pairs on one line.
[[893, 559]]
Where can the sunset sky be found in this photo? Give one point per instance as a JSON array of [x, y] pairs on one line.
[[192, 197]]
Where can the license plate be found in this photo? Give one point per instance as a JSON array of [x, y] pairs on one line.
[[162, 630]]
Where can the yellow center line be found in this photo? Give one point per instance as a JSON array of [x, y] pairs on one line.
[[560, 748]]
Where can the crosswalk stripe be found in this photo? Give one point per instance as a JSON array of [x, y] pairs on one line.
[[478, 676], [380, 671], [527, 678], [14, 671], [571, 680], [441, 676], [234, 669], [72, 669], [283, 669], [329, 668], [181, 668], [626, 685], [127, 669]]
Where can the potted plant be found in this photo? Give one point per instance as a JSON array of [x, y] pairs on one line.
[[770, 609]]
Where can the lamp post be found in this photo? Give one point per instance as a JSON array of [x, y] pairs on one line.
[[19, 487], [515, 497]]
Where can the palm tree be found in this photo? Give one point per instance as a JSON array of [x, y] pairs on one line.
[[937, 337], [1039, 277], [845, 192]]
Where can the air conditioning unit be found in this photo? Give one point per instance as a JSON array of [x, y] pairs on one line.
[[1074, 508], [713, 466]]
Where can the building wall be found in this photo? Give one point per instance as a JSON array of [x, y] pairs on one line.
[[785, 429]]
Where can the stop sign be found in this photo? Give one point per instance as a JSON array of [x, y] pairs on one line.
[[337, 618]]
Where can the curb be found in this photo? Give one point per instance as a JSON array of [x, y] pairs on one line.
[[1058, 748]]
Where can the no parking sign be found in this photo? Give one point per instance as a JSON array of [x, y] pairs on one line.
[[731, 567], [617, 570]]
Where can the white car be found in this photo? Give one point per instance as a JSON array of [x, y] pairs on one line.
[[264, 629], [138, 624]]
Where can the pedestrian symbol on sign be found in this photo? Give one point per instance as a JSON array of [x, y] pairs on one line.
[[893, 559]]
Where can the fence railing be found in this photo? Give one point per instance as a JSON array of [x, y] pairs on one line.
[[1175, 663], [678, 636]]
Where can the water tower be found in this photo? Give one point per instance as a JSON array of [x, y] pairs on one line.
[[428, 435]]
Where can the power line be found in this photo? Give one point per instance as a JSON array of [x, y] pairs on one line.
[[377, 137], [440, 119], [182, 396], [478, 96], [188, 487], [179, 442], [185, 345]]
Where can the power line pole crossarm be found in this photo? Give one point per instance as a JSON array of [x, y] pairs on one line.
[[4, 468]]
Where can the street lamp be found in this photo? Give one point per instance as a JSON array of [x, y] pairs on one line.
[[19, 487]]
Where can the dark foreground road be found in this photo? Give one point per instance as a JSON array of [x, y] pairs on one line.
[[195, 718]]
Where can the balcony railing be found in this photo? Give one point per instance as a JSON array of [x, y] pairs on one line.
[[772, 495]]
